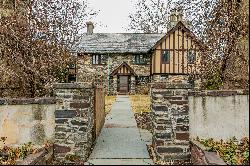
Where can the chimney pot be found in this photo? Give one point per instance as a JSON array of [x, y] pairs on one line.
[[90, 27]]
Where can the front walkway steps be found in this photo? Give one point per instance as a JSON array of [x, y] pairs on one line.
[[120, 142]]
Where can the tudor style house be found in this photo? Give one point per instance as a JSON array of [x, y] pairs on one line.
[[127, 62]]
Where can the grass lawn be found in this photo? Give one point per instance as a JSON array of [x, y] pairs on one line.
[[109, 100], [140, 103]]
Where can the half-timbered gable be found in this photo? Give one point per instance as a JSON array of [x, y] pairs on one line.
[[178, 52]]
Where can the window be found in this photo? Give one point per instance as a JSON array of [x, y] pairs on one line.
[[97, 59], [165, 56], [191, 57], [71, 72], [140, 59]]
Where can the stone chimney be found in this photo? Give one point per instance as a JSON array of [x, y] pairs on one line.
[[179, 15], [90, 27], [172, 18]]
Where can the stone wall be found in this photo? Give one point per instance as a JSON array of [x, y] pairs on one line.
[[74, 121], [219, 114], [27, 120], [170, 121], [86, 72]]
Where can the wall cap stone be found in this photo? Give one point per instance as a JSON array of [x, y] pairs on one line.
[[25, 101], [221, 93], [166, 85], [75, 85]]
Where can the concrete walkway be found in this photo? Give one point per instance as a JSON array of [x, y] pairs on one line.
[[120, 142]]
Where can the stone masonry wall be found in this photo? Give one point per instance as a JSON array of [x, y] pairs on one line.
[[74, 121], [171, 121], [86, 72]]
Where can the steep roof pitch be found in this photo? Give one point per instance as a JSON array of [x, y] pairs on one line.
[[116, 43], [183, 27]]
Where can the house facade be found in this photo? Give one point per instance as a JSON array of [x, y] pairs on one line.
[[126, 62]]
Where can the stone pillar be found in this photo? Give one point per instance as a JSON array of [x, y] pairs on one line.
[[115, 85], [132, 85], [171, 122], [73, 121]]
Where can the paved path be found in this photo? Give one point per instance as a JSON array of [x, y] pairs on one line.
[[120, 142]]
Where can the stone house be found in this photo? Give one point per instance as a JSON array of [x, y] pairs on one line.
[[127, 62]]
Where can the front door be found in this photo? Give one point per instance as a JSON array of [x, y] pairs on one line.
[[123, 85]]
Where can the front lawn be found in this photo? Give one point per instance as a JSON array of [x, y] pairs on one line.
[[140, 103], [109, 100]]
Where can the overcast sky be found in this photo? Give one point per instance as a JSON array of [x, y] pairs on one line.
[[113, 15]]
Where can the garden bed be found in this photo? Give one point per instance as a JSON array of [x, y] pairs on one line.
[[25, 154], [141, 107], [232, 152]]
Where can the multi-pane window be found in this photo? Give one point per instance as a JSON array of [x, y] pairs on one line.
[[140, 59], [165, 56], [191, 57], [97, 59], [72, 72]]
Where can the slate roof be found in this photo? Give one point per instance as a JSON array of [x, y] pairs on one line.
[[116, 42]]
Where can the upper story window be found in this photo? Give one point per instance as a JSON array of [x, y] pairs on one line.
[[191, 57], [97, 59], [165, 56], [140, 59]]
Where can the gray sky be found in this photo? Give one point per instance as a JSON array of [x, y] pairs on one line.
[[113, 15]]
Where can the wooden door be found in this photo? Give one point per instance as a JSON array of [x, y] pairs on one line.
[[123, 85]]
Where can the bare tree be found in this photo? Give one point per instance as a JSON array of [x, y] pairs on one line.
[[226, 33], [35, 46], [150, 16]]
